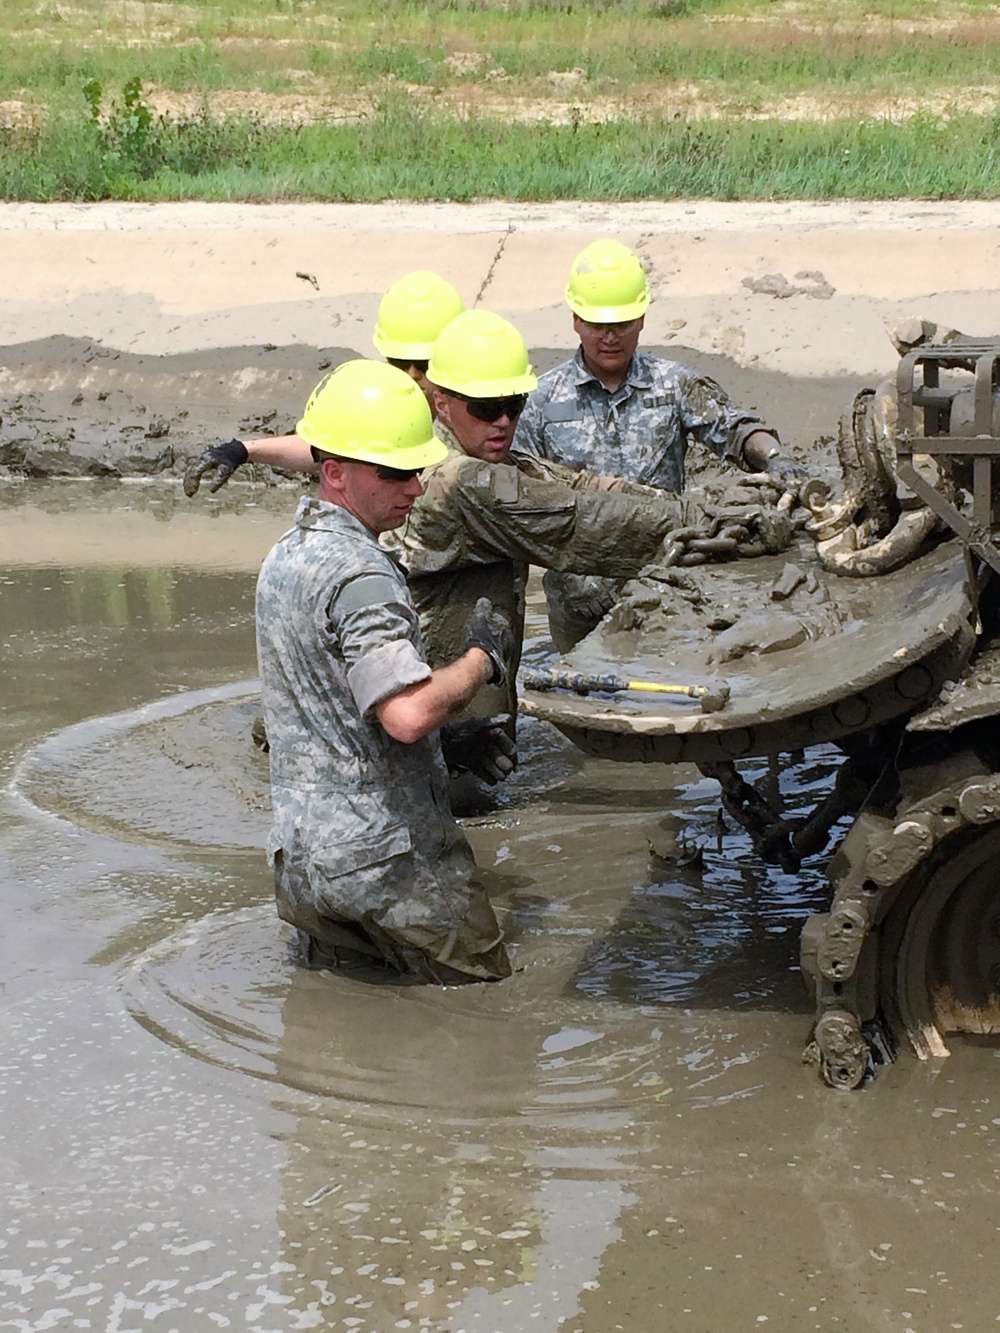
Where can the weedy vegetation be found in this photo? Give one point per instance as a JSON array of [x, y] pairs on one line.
[[525, 99]]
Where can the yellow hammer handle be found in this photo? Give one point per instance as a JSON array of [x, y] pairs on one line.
[[650, 687]]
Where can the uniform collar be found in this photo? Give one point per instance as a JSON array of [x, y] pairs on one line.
[[315, 513], [447, 438], [638, 376]]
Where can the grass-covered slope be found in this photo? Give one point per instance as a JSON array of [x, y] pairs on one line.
[[525, 99]]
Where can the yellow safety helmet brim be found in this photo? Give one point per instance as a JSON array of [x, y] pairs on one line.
[[371, 413], [607, 284], [481, 355], [607, 314], [412, 313]]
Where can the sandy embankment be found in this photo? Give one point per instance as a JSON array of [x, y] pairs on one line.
[[131, 335]]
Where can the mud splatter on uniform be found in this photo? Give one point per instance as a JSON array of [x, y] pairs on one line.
[[639, 431], [366, 853], [479, 525]]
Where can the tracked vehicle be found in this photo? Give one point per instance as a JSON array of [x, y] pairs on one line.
[[877, 630]]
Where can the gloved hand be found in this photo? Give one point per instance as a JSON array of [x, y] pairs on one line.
[[225, 458], [490, 632], [780, 465], [481, 746]]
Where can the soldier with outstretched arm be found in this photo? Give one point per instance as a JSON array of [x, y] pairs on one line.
[[482, 520]]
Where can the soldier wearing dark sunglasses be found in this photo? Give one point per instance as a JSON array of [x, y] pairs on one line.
[[482, 520]]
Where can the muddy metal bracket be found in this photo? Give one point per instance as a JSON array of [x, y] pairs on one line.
[[894, 939], [935, 402]]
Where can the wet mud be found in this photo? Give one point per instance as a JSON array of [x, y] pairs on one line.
[[200, 1134], [72, 407]]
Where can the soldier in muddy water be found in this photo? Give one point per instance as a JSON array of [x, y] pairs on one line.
[[481, 521], [622, 412], [369, 864], [485, 516]]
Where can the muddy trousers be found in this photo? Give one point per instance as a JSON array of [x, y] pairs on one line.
[[471, 948]]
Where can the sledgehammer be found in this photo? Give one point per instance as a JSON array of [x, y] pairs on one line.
[[711, 697]]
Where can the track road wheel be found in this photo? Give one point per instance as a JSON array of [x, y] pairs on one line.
[[940, 944]]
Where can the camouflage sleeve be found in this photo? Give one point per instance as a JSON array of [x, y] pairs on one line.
[[580, 479], [507, 514], [378, 633], [708, 415], [529, 436]]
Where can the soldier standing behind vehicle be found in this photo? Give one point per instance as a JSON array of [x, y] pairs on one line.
[[410, 316], [369, 863], [619, 411]]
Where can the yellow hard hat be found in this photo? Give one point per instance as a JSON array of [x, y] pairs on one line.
[[412, 313], [607, 284], [483, 356], [374, 413]]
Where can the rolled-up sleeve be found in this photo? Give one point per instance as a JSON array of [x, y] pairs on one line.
[[378, 634], [384, 672], [708, 415]]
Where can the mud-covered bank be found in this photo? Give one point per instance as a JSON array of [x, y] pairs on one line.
[[131, 336], [70, 407]]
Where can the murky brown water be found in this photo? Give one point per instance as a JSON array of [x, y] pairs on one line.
[[199, 1135]]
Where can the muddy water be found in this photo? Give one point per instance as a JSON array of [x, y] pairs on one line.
[[197, 1134]]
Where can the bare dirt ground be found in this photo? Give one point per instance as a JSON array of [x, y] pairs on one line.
[[565, 99], [132, 334]]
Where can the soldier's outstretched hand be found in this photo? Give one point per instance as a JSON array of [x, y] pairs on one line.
[[222, 459]]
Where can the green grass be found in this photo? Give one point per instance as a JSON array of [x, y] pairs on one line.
[[50, 69], [449, 99], [399, 153]]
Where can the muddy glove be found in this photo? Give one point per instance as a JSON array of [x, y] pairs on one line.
[[490, 632], [481, 746], [780, 465], [225, 458]]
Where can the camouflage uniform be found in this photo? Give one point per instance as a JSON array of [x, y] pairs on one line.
[[640, 431], [367, 857], [479, 525]]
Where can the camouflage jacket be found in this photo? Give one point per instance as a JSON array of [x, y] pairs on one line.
[[336, 634], [364, 845], [640, 431], [479, 525]]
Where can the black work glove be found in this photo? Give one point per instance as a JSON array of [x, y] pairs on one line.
[[490, 632], [780, 465], [225, 458], [480, 746]]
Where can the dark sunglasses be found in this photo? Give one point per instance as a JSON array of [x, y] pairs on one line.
[[396, 473], [492, 409], [404, 363]]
